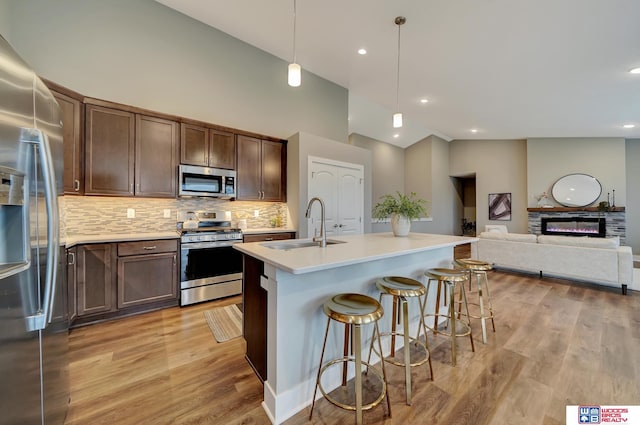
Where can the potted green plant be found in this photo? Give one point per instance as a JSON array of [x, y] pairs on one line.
[[401, 209]]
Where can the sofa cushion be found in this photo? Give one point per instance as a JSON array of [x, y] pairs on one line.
[[493, 235], [583, 241], [515, 237], [520, 237], [498, 228]]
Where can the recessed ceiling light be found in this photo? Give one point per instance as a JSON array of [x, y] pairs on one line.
[[362, 51], [634, 71], [629, 125], [395, 136], [474, 130], [424, 100]]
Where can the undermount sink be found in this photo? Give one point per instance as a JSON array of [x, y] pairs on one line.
[[294, 244]]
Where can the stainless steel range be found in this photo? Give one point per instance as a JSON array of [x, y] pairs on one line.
[[209, 268]]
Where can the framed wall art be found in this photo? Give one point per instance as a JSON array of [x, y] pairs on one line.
[[500, 206]]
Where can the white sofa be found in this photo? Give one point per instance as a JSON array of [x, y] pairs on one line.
[[598, 260]]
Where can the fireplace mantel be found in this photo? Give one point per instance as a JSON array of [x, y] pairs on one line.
[[572, 209]]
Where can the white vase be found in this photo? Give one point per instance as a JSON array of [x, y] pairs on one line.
[[400, 225]]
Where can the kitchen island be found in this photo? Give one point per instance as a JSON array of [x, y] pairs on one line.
[[298, 281]]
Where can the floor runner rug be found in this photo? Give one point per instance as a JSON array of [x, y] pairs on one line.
[[225, 322]]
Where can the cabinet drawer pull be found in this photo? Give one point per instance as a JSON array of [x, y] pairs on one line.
[[268, 239], [76, 185], [149, 248], [71, 258]]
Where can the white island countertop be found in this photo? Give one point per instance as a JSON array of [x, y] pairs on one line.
[[356, 249]]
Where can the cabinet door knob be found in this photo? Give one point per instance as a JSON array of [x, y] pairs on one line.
[[71, 258]]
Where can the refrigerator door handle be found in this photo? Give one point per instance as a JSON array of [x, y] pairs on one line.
[[38, 138]]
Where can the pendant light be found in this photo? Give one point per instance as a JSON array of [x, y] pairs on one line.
[[397, 117], [294, 76]]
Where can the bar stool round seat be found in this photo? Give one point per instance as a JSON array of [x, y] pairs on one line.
[[471, 264], [447, 280], [401, 288], [353, 310], [479, 269]]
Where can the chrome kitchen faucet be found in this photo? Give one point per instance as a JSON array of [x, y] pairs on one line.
[[322, 238]]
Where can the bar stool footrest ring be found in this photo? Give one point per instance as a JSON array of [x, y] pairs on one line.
[[393, 360], [462, 328], [337, 403]]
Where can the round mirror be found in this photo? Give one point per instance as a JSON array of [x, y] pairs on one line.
[[576, 190]]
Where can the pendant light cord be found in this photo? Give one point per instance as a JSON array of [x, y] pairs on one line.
[[294, 31], [398, 73]]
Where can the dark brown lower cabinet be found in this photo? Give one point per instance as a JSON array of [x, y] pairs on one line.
[[95, 279], [147, 273], [72, 287], [254, 319], [254, 304], [117, 279]]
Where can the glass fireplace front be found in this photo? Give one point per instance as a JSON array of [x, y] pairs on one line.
[[574, 226]]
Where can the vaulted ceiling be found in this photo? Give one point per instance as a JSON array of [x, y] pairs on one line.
[[510, 69]]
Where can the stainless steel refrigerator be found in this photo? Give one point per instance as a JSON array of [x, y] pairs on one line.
[[34, 385]]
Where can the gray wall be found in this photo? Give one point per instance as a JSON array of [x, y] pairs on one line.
[[603, 158], [388, 170], [633, 194], [5, 21], [303, 145], [144, 54], [500, 166], [427, 174]]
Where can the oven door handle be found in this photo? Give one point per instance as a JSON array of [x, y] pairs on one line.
[[203, 245]]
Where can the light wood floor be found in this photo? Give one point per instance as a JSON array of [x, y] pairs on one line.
[[556, 343]]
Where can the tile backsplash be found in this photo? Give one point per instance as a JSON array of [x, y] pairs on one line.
[[93, 215]]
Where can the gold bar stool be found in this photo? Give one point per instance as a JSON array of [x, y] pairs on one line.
[[479, 269], [401, 288], [353, 310], [449, 279]]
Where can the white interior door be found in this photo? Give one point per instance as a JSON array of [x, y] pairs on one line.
[[341, 187], [322, 183], [350, 201]]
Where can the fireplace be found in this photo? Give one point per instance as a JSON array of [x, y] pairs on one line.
[[574, 226]]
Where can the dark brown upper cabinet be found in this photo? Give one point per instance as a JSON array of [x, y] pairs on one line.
[[110, 153], [261, 168], [72, 116], [207, 147], [156, 161], [130, 154]]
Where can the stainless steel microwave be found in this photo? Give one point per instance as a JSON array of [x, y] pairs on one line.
[[207, 182]]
